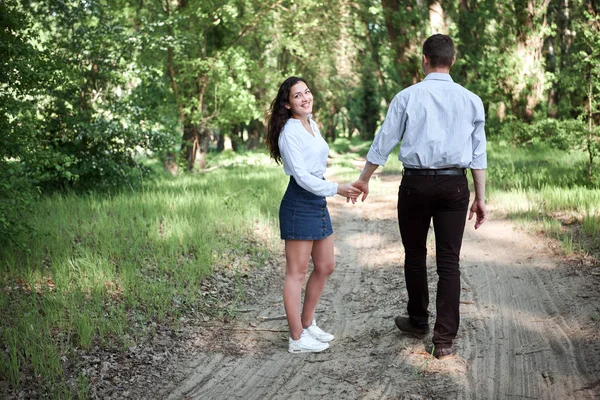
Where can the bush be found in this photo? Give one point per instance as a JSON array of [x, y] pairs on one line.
[[566, 134], [18, 83], [16, 197]]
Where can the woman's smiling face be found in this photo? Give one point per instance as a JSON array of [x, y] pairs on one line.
[[300, 101]]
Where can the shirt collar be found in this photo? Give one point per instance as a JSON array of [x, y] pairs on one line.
[[438, 76]]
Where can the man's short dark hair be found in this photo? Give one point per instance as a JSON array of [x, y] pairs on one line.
[[439, 49]]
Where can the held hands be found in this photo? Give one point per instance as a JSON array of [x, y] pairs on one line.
[[362, 183], [363, 186], [478, 208], [348, 191], [352, 190]]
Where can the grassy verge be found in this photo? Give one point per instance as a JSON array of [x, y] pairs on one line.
[[103, 268], [549, 189]]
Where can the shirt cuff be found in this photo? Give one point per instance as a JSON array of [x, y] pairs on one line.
[[375, 158], [478, 164], [334, 189]]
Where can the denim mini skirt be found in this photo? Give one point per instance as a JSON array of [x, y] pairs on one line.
[[303, 215]]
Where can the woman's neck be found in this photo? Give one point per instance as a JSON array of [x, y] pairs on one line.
[[303, 119]]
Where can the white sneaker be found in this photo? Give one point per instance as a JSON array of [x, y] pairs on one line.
[[306, 344], [317, 333]]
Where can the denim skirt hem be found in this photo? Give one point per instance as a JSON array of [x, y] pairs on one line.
[[307, 238], [303, 215]]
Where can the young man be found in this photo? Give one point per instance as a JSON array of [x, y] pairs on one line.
[[441, 127]]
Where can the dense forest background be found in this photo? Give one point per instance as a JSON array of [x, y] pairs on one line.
[[119, 119], [91, 88]]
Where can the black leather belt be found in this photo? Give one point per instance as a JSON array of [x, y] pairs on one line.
[[433, 172]]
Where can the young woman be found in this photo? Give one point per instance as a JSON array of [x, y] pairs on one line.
[[294, 139]]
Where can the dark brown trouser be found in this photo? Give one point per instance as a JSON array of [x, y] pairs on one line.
[[446, 200]]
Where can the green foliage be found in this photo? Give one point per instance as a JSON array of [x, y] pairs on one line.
[[90, 130], [114, 81], [103, 268], [20, 79], [68, 114], [559, 134], [197, 45], [16, 199], [364, 102], [580, 79]]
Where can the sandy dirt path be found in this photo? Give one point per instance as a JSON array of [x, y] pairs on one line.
[[529, 326]]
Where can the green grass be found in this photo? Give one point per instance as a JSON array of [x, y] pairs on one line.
[[550, 189], [102, 267]]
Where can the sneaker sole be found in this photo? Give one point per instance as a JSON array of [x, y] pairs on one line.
[[296, 351]]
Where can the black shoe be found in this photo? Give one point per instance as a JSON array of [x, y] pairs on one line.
[[441, 353], [403, 323]]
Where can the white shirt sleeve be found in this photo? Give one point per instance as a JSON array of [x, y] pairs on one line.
[[478, 139], [390, 133]]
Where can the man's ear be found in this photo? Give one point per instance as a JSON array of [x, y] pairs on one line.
[[453, 60]]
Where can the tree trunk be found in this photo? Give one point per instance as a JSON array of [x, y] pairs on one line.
[[190, 145], [170, 163], [530, 81], [470, 28], [221, 142], [437, 18], [566, 36], [204, 143], [558, 48], [551, 61], [373, 50], [196, 140], [590, 141], [171, 159], [255, 129], [390, 7], [400, 18], [330, 132], [235, 138]]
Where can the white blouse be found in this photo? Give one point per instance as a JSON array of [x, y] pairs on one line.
[[305, 157]]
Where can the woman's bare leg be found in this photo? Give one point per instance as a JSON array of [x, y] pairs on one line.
[[297, 255], [324, 264]]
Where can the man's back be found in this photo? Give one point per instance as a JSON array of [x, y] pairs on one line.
[[440, 124], [444, 124]]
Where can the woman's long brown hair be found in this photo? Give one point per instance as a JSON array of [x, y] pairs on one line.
[[278, 116]]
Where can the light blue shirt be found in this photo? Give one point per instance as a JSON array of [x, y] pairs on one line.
[[305, 157], [440, 124]]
